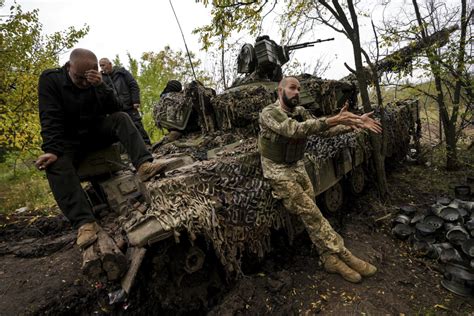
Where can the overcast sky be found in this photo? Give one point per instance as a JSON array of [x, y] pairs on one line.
[[119, 26], [137, 26]]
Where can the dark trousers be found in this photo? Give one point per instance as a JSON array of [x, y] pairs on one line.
[[137, 120], [62, 174]]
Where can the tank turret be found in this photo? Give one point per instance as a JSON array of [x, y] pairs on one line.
[[263, 60]]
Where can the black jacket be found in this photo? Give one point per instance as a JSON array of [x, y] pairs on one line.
[[126, 87], [67, 112]]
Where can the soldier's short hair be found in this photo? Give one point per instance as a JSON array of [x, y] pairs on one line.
[[284, 81]]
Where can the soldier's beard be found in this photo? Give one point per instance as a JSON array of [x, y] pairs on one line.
[[290, 102]]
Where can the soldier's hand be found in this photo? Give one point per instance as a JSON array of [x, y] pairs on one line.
[[369, 123], [93, 77], [136, 106], [45, 160], [355, 128], [345, 118]]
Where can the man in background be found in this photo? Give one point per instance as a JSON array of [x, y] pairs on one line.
[[128, 92]]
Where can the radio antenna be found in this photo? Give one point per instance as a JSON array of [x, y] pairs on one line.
[[184, 40]]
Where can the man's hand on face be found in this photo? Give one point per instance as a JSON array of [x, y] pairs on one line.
[[94, 77], [45, 160]]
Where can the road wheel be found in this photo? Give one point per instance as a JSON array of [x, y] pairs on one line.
[[333, 198], [356, 181]]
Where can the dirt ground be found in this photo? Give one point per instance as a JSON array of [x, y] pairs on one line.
[[40, 267]]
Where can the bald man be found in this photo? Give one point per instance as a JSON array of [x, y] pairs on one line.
[[284, 128], [79, 114]]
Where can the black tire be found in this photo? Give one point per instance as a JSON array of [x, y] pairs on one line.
[[356, 181], [333, 198]]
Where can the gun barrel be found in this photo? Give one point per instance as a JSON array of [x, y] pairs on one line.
[[307, 44]]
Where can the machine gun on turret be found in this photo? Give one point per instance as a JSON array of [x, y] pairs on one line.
[[263, 60], [307, 44]]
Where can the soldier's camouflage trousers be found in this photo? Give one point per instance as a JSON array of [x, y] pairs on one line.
[[298, 198]]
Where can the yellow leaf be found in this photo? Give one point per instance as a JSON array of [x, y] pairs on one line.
[[441, 307]]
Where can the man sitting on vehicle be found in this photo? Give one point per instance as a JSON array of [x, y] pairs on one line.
[[284, 127], [79, 114]]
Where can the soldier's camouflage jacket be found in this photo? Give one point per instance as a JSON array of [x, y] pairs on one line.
[[298, 124]]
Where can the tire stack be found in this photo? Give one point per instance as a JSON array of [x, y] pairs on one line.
[[444, 232]]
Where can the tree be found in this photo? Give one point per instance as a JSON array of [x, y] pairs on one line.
[[447, 66], [25, 53], [344, 19]]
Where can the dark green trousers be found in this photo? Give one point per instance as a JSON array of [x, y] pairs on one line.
[[62, 174], [137, 120]]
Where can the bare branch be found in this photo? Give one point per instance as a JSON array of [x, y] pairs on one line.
[[432, 96], [326, 22], [350, 69], [235, 4]]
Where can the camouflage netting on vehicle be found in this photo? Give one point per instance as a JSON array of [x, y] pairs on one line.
[[324, 148], [398, 124], [240, 108], [197, 145], [402, 123], [327, 148], [225, 200], [327, 95]]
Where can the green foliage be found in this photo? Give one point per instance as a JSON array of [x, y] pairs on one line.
[[230, 16], [25, 54], [23, 186], [116, 61], [133, 65]]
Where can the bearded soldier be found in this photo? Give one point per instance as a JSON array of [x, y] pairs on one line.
[[284, 128]]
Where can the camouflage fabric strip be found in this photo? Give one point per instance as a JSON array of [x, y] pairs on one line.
[[227, 202]]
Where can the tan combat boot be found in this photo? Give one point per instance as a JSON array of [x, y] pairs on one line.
[[364, 268], [149, 169], [87, 234], [333, 264]]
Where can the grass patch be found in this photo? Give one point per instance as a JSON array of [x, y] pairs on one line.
[[24, 186]]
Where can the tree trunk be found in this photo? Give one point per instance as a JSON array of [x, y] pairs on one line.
[[113, 260], [451, 151], [91, 264], [352, 32], [375, 140], [449, 124], [103, 257]]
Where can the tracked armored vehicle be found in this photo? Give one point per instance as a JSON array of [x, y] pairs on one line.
[[193, 225]]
